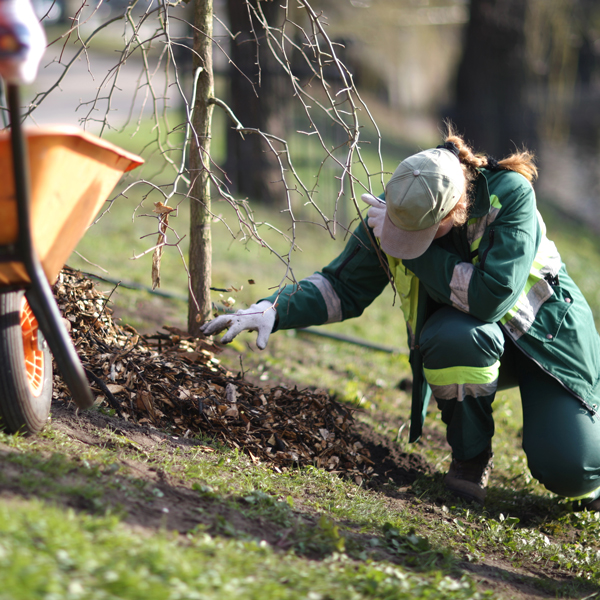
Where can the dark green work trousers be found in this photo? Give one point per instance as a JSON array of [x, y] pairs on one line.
[[561, 438]]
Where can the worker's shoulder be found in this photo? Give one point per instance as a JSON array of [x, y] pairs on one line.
[[506, 181], [512, 190]]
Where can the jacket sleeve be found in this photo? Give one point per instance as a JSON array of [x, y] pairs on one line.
[[507, 249], [342, 290]]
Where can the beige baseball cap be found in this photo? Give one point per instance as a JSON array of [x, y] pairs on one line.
[[420, 194]]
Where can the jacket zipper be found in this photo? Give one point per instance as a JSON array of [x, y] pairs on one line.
[[343, 265], [488, 248]]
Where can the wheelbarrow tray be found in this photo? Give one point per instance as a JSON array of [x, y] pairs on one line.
[[72, 173]]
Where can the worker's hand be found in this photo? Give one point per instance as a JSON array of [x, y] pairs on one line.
[[259, 317], [376, 213], [22, 42]]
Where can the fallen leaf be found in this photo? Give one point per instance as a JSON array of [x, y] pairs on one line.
[[231, 393], [232, 412], [113, 388], [181, 388]]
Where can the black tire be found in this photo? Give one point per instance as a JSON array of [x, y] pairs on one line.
[[25, 385]]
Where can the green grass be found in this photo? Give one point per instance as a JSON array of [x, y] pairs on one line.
[[338, 539], [46, 553], [344, 541], [49, 551], [341, 539]]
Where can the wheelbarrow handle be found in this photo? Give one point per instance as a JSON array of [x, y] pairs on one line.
[[39, 294]]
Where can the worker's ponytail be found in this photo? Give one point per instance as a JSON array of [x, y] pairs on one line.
[[521, 162]]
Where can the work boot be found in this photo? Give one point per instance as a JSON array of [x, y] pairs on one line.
[[468, 479], [591, 506]]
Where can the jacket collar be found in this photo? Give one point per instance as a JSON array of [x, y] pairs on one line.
[[480, 195]]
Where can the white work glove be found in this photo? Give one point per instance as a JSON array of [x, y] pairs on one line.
[[22, 42], [376, 213], [259, 317]]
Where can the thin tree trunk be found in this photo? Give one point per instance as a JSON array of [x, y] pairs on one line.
[[200, 254]]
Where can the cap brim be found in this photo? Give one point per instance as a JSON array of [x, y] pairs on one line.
[[400, 243]]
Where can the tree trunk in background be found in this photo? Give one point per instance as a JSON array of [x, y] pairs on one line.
[[200, 253], [256, 98], [69, 10], [585, 117], [491, 107]]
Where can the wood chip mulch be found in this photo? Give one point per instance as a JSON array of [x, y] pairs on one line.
[[175, 383]]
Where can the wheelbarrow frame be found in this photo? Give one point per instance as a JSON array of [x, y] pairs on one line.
[[38, 291]]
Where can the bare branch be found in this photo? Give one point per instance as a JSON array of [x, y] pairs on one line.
[[321, 88]]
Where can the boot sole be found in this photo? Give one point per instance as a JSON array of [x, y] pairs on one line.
[[466, 490]]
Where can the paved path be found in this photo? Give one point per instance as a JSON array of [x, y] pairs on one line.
[[72, 102]]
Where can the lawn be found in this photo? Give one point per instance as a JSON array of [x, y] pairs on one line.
[[74, 519], [96, 507]]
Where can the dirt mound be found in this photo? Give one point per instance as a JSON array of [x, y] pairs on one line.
[[175, 383], [390, 463]]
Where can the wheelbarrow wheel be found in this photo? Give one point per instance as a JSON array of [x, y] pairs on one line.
[[26, 371]]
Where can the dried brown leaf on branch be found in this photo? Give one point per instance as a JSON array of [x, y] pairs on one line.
[[162, 209], [163, 223], [175, 383]]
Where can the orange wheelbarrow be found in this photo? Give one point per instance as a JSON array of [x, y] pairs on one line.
[[55, 181]]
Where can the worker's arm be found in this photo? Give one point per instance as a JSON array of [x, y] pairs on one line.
[[342, 290]]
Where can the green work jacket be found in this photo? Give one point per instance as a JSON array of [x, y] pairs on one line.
[[499, 267]]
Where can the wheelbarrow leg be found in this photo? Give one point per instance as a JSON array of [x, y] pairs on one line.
[[39, 294]]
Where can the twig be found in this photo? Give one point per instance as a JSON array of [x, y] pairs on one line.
[[112, 400]]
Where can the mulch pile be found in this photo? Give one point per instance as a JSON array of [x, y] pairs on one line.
[[174, 382]]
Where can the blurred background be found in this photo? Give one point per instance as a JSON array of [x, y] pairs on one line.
[[508, 73]]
